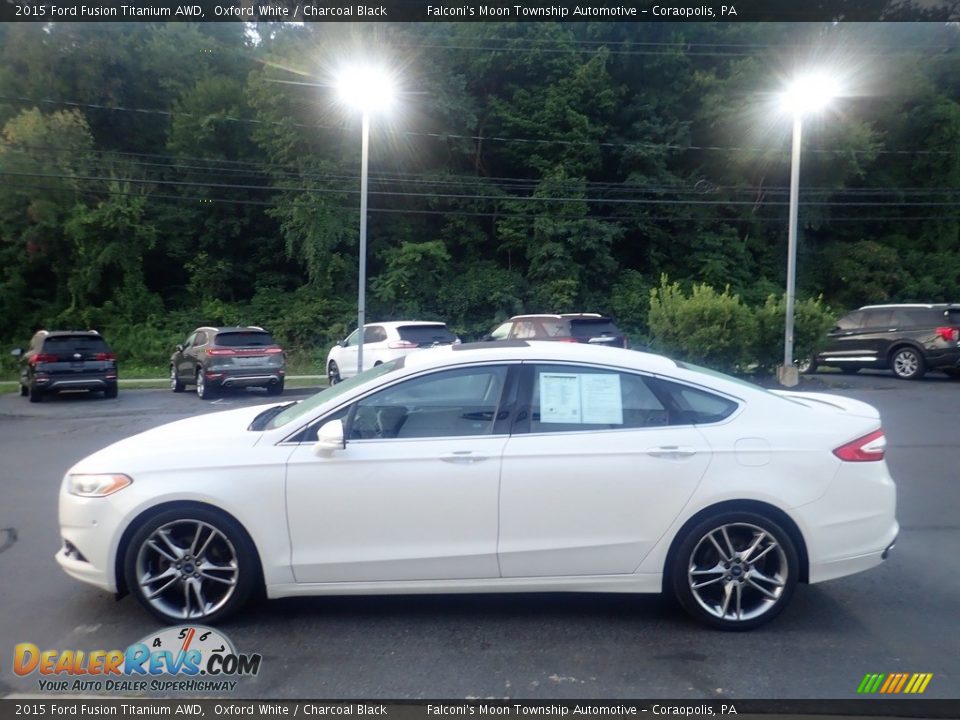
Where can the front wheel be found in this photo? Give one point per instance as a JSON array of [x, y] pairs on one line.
[[191, 564], [175, 384], [807, 366], [907, 364], [735, 571]]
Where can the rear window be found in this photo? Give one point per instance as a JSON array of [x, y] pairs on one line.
[[244, 339], [75, 344], [426, 334], [580, 327]]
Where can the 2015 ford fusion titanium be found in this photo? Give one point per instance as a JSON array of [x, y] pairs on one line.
[[497, 467]]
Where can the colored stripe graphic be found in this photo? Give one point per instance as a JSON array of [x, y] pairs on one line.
[[894, 683]]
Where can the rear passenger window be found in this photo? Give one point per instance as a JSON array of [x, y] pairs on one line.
[[878, 319], [850, 321], [692, 406]]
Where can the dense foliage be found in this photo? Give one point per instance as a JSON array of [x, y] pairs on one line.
[[160, 176]]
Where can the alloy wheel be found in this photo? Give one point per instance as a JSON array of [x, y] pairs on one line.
[[737, 572], [187, 569], [907, 364], [333, 373]]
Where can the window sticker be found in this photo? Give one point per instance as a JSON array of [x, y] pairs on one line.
[[602, 403], [575, 398], [559, 398]]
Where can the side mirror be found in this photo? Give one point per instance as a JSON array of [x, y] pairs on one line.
[[329, 438], [342, 343], [179, 348], [487, 338], [16, 352]]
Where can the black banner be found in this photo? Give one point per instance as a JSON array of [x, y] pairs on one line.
[[38, 707], [494, 10]]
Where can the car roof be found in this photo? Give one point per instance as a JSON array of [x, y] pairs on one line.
[[238, 328], [62, 333], [404, 323], [561, 316], [909, 305], [507, 350]]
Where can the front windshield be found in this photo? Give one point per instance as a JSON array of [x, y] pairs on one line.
[[335, 391]]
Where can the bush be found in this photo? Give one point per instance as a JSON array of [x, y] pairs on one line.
[[811, 320], [705, 327]]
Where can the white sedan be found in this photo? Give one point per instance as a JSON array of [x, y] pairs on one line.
[[498, 467]]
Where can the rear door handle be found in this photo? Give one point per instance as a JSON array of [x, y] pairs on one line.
[[462, 457], [671, 452]]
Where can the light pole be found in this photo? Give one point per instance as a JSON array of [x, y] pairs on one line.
[[368, 89], [806, 95]]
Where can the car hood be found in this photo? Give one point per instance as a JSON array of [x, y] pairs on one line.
[[203, 431]]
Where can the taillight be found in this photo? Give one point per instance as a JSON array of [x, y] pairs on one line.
[[105, 356], [569, 339], [402, 345], [42, 358], [273, 351], [222, 351], [864, 449], [948, 333]]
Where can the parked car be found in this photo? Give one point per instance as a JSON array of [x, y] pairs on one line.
[[212, 358], [67, 360], [385, 341], [570, 327], [908, 339], [492, 467]]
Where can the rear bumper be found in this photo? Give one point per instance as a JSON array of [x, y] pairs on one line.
[[939, 359], [247, 377], [56, 383]]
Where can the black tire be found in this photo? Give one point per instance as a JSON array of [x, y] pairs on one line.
[[333, 373], [222, 541], [24, 391], [204, 391], [275, 388], [907, 363], [807, 366], [762, 590], [846, 370], [111, 392], [175, 383], [36, 394]]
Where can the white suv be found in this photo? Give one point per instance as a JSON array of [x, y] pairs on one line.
[[385, 341]]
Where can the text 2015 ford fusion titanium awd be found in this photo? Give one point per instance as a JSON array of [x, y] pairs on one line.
[[497, 467]]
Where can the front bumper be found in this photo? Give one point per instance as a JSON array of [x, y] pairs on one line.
[[87, 525]]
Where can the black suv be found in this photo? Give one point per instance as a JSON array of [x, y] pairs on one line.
[[213, 358], [67, 360], [571, 327], [907, 339]]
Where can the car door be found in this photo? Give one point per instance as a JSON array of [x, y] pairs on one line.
[[374, 346], [413, 495], [599, 465], [185, 365], [347, 357]]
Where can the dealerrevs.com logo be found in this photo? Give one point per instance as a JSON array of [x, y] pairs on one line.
[[191, 658]]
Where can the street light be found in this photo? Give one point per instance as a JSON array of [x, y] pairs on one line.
[[368, 89], [805, 96]]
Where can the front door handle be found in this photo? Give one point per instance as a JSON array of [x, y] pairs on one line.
[[462, 457], [671, 452]]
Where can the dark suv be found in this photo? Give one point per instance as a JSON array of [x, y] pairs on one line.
[[907, 339], [213, 358], [67, 360], [571, 327]]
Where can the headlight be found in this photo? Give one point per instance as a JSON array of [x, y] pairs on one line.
[[96, 485]]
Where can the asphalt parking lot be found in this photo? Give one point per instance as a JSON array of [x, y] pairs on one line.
[[900, 617]]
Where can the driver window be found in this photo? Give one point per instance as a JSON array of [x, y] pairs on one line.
[[189, 341], [501, 332], [351, 339], [450, 403]]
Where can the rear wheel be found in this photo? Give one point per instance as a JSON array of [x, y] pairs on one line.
[[36, 394], [735, 571], [333, 373], [807, 365], [189, 564], [24, 391], [907, 363], [111, 392], [275, 388], [204, 391]]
